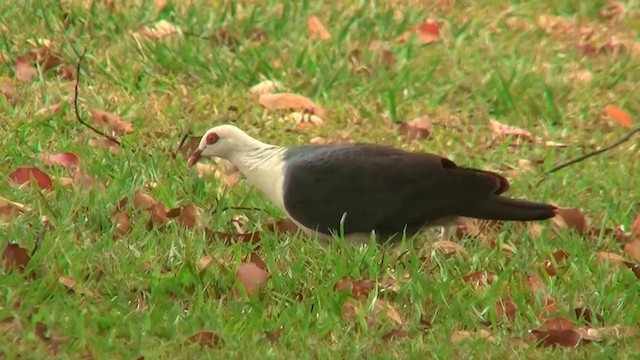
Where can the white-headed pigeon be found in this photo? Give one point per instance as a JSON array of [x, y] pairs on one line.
[[357, 189]]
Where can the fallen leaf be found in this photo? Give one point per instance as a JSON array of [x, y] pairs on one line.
[[558, 257], [613, 10], [49, 110], [67, 282], [53, 340], [304, 121], [9, 92], [395, 334], [618, 115], [554, 338], [618, 331], [253, 237], [316, 29], [159, 30], [350, 310], [143, 201], [273, 336], [610, 257], [22, 175], [122, 221], [472, 335], [203, 262], [505, 131], [449, 247], [158, 215], [283, 226], [360, 289], [506, 309], [257, 260], [15, 257], [427, 32], [288, 101], [25, 71], [9, 210], [391, 312], [571, 218], [558, 324], [480, 279], [266, 87], [111, 121], [190, 217], [590, 317], [105, 143], [418, 128], [204, 338], [68, 160], [252, 277], [632, 248]]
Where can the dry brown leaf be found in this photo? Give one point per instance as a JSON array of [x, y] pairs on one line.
[[68, 282], [49, 110], [22, 176], [558, 324], [266, 87], [15, 257], [506, 309], [143, 201], [619, 116], [350, 309], [122, 221], [395, 334], [157, 215], [449, 247], [610, 257], [290, 101], [111, 121], [556, 258], [9, 92], [418, 128], [472, 335], [632, 248], [360, 289], [283, 226], [251, 277], [190, 217], [203, 262], [204, 338], [9, 210], [24, 70], [571, 218], [391, 312], [554, 338], [316, 29], [304, 121], [68, 160], [480, 279], [427, 32], [614, 10], [159, 30], [519, 136], [105, 143]]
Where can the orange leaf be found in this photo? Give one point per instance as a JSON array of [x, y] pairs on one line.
[[287, 101], [16, 257], [316, 29], [122, 221], [190, 217], [427, 32], [114, 122], [418, 128], [204, 339], [24, 70], [143, 201], [618, 115], [571, 218], [65, 159], [23, 175], [252, 277]]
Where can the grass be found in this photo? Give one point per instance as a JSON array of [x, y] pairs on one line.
[[151, 295]]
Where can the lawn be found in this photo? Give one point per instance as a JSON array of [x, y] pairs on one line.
[[114, 278]]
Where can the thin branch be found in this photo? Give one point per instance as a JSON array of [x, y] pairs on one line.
[[39, 238], [75, 102], [592, 153]]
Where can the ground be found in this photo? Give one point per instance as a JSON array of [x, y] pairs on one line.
[[566, 71]]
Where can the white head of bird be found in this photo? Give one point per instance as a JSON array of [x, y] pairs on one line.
[[226, 142]]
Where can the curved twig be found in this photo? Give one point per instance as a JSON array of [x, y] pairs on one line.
[[592, 153], [75, 102]]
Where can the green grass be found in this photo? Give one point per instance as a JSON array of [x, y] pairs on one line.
[[151, 295]]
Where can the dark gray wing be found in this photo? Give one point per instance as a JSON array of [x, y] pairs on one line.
[[379, 188]]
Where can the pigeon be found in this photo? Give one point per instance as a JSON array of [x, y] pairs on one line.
[[360, 191]]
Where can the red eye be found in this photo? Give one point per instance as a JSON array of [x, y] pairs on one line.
[[212, 138]]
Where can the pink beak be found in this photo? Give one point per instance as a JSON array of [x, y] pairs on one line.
[[194, 157]]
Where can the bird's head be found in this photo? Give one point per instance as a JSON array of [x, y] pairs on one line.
[[220, 141]]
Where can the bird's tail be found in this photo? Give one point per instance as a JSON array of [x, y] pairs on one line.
[[508, 209]]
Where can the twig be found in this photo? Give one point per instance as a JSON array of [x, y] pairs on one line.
[[183, 139], [39, 238], [241, 208], [75, 102], [592, 153]]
